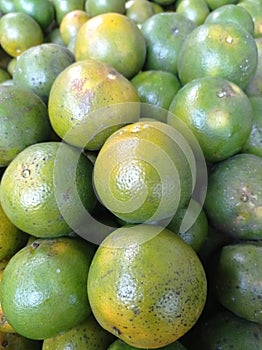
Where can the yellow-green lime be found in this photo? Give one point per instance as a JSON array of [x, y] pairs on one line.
[[143, 172], [155, 286], [18, 32], [47, 189], [88, 101], [86, 335], [112, 38]]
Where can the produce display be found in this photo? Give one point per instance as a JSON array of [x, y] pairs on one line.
[[130, 174]]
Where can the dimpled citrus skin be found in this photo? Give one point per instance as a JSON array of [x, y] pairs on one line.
[[225, 50], [141, 173], [28, 192], [152, 296], [43, 288], [78, 94]]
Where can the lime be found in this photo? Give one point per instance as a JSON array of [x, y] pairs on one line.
[[254, 142], [37, 67], [86, 335], [42, 11], [23, 121], [18, 32], [223, 50], [71, 24], [195, 10], [43, 288], [232, 13], [11, 238], [164, 34], [142, 172], [218, 113], [238, 285], [234, 197], [88, 101], [43, 188], [130, 263], [98, 7], [104, 38]]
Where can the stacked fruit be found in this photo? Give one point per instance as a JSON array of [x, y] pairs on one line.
[[131, 174]]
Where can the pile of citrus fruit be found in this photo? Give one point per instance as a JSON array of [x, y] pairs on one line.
[[131, 174]]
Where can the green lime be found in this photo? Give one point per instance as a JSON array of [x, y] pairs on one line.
[[86, 335], [234, 197], [224, 50], [164, 34], [232, 13], [218, 113], [37, 67], [43, 11], [23, 121], [43, 288], [195, 10], [98, 7]]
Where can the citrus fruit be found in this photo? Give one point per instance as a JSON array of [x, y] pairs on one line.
[[238, 286], [7, 6], [18, 342], [5, 327], [130, 263], [4, 75], [232, 13], [195, 10], [37, 67], [234, 197], [11, 238], [217, 111], [254, 142], [255, 10], [88, 101], [18, 32], [143, 173], [43, 288], [139, 10], [104, 38], [164, 2], [156, 87], [225, 330], [62, 7], [254, 88], [86, 335], [37, 191], [98, 7], [118, 344], [71, 24], [214, 4], [164, 34], [54, 36], [223, 50], [42, 11], [197, 233], [23, 121]]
